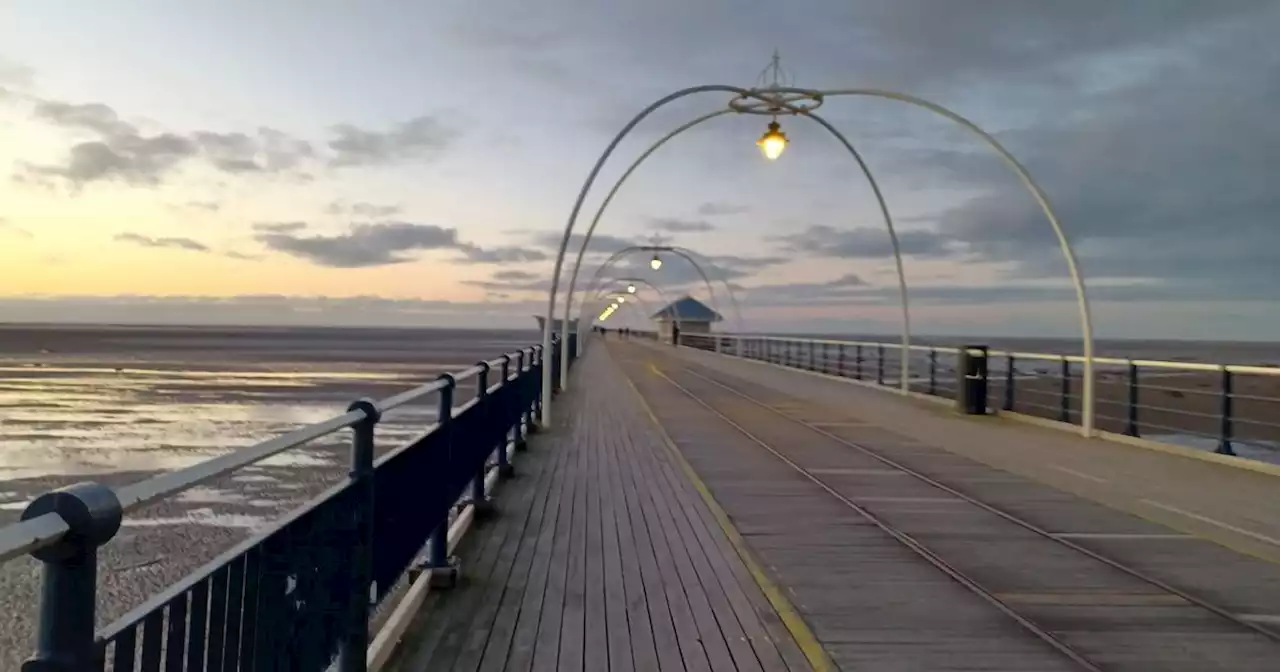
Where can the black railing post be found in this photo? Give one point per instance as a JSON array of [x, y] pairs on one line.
[[535, 369], [840, 360], [1226, 430], [479, 499], [857, 361], [68, 591], [1010, 365], [813, 356], [1064, 412], [505, 470], [524, 410], [1131, 427], [880, 364], [355, 641], [444, 572], [933, 371]]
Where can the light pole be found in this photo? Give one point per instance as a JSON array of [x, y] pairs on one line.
[[775, 100]]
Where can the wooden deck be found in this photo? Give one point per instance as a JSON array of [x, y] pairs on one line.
[[764, 519], [603, 556]]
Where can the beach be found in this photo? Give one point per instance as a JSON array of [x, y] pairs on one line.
[[117, 404]]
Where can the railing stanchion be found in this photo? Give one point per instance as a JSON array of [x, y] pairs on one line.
[[933, 371], [1226, 431], [505, 470], [68, 591], [1010, 366], [1064, 412], [535, 368], [880, 364], [1131, 427], [480, 502], [443, 571], [355, 641], [813, 357], [522, 419], [857, 361], [840, 360]]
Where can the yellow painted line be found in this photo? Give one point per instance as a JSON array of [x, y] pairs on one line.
[[787, 613], [1078, 474], [1213, 521]]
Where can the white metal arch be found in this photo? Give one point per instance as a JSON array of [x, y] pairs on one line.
[[905, 362], [782, 98]]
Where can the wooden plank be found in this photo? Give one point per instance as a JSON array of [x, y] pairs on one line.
[[636, 619], [526, 571], [717, 624], [509, 573], [608, 640], [595, 654], [546, 650], [524, 637], [717, 552], [662, 622], [573, 620]]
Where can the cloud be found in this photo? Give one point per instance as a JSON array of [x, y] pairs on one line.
[[675, 225], [864, 243], [175, 243], [364, 245], [423, 137], [243, 256], [122, 151], [513, 274], [208, 206], [716, 209], [362, 209], [14, 74], [500, 255], [382, 243], [279, 227], [601, 243]]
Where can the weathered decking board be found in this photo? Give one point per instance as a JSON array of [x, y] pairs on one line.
[[875, 605], [602, 556]]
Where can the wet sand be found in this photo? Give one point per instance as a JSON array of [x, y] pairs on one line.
[[116, 405]]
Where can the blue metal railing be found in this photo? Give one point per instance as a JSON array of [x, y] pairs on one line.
[[1227, 408], [298, 595]]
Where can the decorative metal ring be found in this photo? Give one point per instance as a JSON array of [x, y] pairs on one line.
[[768, 102]]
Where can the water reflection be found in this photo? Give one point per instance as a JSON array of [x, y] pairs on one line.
[[73, 420]]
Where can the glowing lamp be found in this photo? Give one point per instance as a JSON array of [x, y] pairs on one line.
[[773, 142]]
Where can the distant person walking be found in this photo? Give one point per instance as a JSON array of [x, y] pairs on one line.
[[675, 334]]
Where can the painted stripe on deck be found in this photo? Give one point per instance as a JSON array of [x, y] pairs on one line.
[[1120, 535], [1212, 521], [842, 471], [1078, 474]]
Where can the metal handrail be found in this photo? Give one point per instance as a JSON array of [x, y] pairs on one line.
[[869, 361], [46, 530]]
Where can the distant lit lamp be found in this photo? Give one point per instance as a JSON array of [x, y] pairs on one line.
[[655, 263], [621, 299], [773, 142], [631, 289]]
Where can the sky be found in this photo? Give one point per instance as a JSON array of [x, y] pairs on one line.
[[414, 164]]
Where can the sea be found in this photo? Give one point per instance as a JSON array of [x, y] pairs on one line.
[[82, 400]]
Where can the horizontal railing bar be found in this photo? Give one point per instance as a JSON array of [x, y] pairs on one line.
[[31, 535], [1164, 409], [135, 615], [139, 494], [409, 396]]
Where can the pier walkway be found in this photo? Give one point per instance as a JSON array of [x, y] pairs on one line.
[[693, 511]]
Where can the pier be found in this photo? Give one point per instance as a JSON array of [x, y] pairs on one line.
[[735, 503]]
